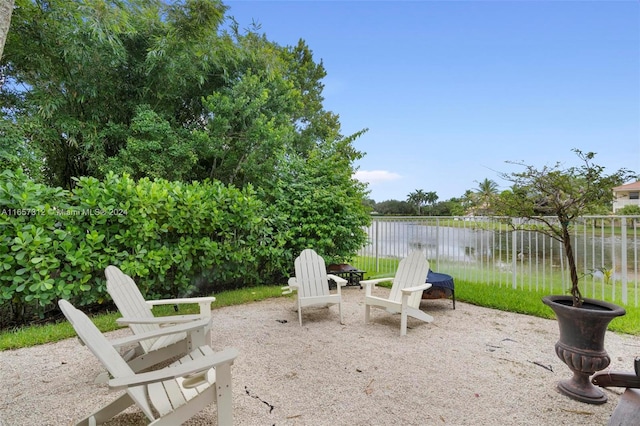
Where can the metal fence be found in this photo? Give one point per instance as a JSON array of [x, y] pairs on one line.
[[489, 250]]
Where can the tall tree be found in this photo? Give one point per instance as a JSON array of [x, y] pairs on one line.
[[249, 129], [88, 74], [395, 207], [321, 210], [418, 198], [487, 188], [430, 198], [6, 9], [485, 193], [80, 70], [167, 90]]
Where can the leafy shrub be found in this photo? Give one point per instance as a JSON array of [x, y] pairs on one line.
[[629, 210], [174, 238], [321, 210]]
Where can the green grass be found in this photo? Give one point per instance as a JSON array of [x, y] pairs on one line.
[[529, 302], [524, 301], [47, 333], [482, 294]]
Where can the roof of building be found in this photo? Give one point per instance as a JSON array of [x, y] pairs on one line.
[[635, 186]]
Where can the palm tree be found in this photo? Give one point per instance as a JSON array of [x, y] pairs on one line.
[[418, 198], [468, 201], [486, 191], [430, 198]]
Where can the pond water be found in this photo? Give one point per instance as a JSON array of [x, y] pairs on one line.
[[470, 245]]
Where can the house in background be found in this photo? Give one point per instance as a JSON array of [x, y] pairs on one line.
[[626, 195]]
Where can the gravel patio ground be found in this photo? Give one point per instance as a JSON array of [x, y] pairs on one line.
[[470, 366]]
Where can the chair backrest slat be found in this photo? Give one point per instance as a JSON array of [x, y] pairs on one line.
[[412, 271], [130, 302], [102, 349], [311, 274]]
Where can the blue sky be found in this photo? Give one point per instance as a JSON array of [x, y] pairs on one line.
[[452, 90]]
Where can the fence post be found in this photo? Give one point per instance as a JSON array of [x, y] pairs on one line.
[[377, 245], [623, 259], [615, 248], [514, 259]]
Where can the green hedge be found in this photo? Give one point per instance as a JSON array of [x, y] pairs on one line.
[[176, 239]]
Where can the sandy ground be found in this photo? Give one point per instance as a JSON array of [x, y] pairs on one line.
[[470, 366]]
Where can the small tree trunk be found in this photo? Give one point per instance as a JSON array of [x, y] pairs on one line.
[[575, 289]]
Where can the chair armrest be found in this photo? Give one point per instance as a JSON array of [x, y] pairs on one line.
[[172, 319], [225, 356], [293, 286], [616, 378], [375, 281], [370, 284], [339, 280], [164, 331], [181, 301], [421, 287], [204, 302]]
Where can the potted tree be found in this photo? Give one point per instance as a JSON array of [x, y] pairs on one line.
[[547, 200]]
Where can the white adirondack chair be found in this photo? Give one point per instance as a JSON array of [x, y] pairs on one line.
[[137, 314], [176, 393], [312, 283], [406, 292]]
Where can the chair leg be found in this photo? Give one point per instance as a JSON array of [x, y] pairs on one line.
[[224, 396], [418, 314], [340, 310], [123, 402], [403, 323], [300, 315], [367, 313], [403, 314], [101, 378]]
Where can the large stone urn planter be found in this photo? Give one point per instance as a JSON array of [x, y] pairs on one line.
[[581, 343]]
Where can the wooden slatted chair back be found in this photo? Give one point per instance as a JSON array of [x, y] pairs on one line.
[[165, 397], [412, 271], [130, 302], [311, 274], [102, 349]]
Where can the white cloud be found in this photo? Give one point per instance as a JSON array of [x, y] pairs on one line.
[[376, 176]]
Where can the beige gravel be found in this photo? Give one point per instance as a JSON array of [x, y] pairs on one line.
[[471, 366]]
